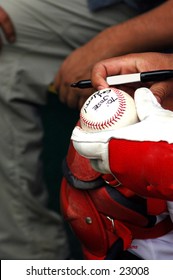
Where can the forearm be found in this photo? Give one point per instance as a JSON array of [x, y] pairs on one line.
[[151, 31]]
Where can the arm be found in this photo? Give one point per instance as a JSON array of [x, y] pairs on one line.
[[150, 31]]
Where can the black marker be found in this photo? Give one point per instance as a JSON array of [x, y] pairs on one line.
[[151, 76]]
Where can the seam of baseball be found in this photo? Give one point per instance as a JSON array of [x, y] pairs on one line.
[[108, 123]]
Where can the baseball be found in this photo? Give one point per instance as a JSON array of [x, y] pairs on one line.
[[108, 109]]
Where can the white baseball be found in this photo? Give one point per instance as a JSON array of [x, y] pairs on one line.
[[108, 109]]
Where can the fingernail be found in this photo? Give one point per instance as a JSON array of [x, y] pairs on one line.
[[100, 87]]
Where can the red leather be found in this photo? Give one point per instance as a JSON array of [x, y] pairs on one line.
[[146, 168], [80, 166]]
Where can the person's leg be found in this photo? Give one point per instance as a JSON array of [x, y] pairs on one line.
[[47, 31]]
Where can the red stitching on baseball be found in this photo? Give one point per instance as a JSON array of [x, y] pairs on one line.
[[108, 123]]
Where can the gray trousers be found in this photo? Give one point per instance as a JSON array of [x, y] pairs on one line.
[[47, 31]]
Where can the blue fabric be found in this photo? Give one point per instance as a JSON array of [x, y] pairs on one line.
[[139, 5], [143, 5], [99, 4]]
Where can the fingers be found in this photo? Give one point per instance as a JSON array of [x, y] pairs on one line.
[[101, 70], [98, 77], [73, 98], [7, 26], [162, 90], [113, 66], [65, 93]]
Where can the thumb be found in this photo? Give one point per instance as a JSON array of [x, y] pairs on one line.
[[146, 103], [86, 144]]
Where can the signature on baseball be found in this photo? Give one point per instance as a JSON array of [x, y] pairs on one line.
[[104, 97]]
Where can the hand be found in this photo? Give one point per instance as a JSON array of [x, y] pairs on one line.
[[135, 63], [6, 26], [77, 66], [140, 156]]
